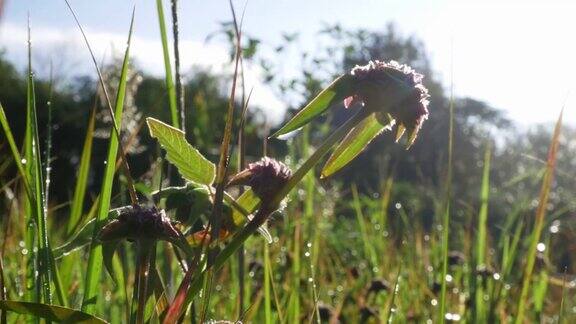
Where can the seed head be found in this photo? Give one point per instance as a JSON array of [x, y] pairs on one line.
[[140, 223], [265, 177], [378, 82]]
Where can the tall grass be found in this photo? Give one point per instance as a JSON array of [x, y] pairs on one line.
[[539, 220]]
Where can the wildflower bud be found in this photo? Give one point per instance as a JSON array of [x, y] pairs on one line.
[[139, 223], [265, 177], [380, 84]]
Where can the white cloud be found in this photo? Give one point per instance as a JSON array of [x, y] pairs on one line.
[[68, 52], [517, 56]]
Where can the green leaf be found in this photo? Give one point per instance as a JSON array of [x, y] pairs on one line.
[[354, 143], [248, 201], [337, 91], [50, 312], [191, 164]]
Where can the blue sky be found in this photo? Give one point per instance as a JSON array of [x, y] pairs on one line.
[[516, 55]]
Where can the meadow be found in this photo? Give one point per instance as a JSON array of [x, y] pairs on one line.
[[381, 198]]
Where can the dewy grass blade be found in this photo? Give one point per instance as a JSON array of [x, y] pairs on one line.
[[57, 280], [267, 278], [95, 257], [479, 311], [369, 251], [31, 293], [15, 153], [167, 66], [446, 214], [539, 221], [82, 178], [37, 177]]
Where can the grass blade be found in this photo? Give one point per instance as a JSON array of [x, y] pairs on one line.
[[50, 312], [539, 220], [368, 245], [479, 308], [94, 269], [39, 190], [82, 177], [446, 214], [15, 153], [167, 66]]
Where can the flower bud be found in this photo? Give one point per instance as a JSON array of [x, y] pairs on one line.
[[265, 177], [380, 84], [138, 223]]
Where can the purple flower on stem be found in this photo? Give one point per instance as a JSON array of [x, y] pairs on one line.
[[376, 81], [137, 223], [265, 177]]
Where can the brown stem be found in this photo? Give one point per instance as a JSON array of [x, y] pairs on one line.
[[140, 293], [179, 89]]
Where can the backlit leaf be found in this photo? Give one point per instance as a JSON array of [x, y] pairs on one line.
[[337, 91], [354, 142], [191, 164]]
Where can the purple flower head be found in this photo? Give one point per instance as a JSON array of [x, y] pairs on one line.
[[140, 223], [378, 82], [265, 177]]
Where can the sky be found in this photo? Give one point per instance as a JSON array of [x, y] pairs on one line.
[[519, 56]]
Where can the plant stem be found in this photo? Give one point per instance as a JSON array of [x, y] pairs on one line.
[[145, 251], [179, 89]]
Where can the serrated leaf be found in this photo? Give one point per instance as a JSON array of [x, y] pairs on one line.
[[50, 312], [337, 91], [354, 143], [191, 164]]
